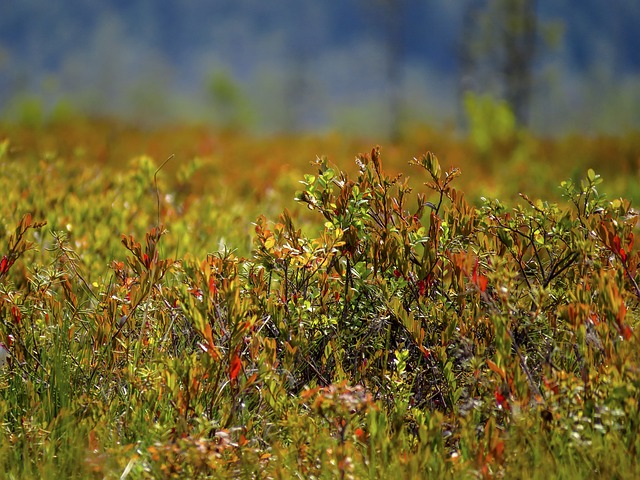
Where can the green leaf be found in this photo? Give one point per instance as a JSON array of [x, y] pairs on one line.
[[4, 148]]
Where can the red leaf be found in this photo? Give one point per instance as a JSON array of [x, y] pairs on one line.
[[616, 244], [196, 292], [425, 351], [16, 314], [3, 265], [422, 287], [234, 367], [212, 285], [501, 399]]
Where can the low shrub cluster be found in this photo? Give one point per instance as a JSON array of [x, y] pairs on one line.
[[391, 334]]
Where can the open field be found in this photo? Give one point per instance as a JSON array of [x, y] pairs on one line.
[[189, 303]]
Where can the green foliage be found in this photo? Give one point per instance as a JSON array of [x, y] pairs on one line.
[[410, 334], [27, 110], [491, 122], [231, 107]]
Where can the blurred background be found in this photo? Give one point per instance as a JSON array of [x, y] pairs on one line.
[[355, 66]]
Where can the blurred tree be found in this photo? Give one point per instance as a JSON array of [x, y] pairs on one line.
[[498, 46], [300, 50], [391, 16], [519, 40], [231, 108]]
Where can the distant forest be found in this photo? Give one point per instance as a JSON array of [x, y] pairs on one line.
[[292, 65]]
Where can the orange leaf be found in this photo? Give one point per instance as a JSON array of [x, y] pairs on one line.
[[500, 371], [482, 283], [94, 444], [622, 313], [499, 450], [626, 331], [209, 346]]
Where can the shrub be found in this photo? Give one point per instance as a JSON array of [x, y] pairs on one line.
[[407, 334]]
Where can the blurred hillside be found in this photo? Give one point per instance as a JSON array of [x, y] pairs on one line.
[[291, 65]]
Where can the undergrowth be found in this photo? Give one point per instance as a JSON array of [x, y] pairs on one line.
[[392, 333]]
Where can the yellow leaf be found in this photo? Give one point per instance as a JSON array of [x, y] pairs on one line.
[[269, 243]]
